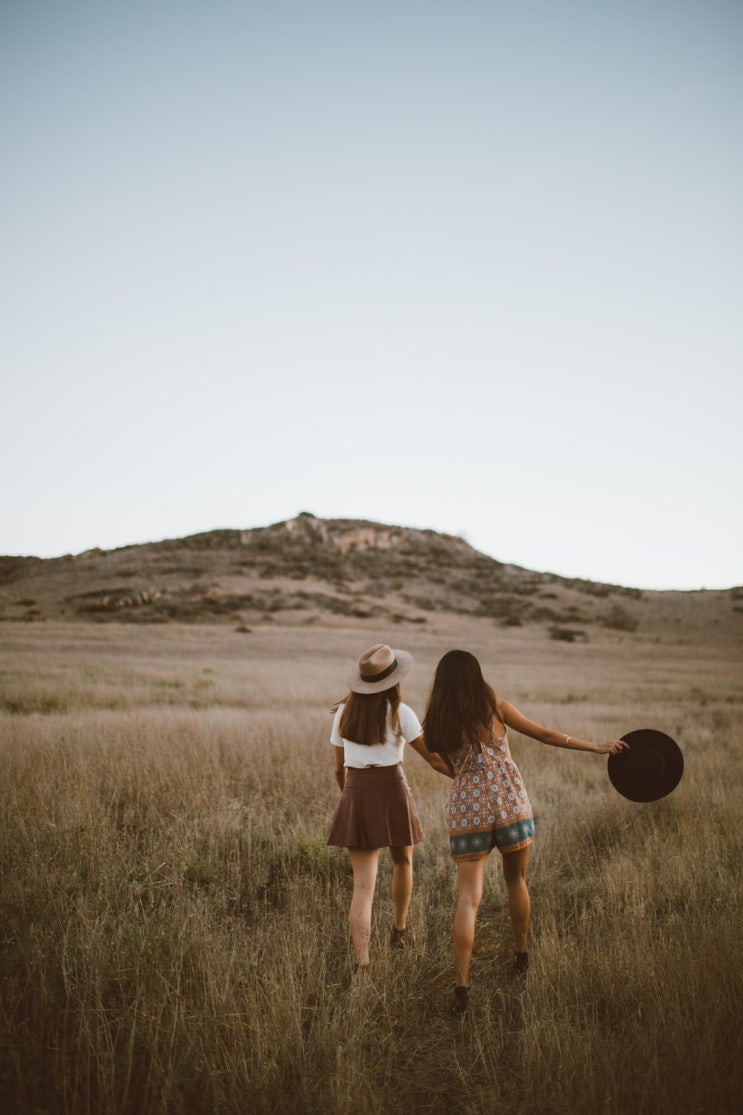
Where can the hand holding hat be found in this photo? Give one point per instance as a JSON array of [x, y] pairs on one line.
[[649, 768], [613, 747]]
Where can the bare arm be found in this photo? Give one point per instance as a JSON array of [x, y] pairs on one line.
[[511, 716], [432, 757], [338, 768]]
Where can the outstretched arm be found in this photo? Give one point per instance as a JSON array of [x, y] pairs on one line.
[[511, 716], [432, 757]]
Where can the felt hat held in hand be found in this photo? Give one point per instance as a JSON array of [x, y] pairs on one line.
[[649, 769]]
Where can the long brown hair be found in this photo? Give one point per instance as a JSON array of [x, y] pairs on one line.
[[460, 705], [364, 716]]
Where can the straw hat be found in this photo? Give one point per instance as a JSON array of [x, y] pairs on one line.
[[650, 769], [380, 667]]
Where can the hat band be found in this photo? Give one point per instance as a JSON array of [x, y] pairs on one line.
[[380, 677]]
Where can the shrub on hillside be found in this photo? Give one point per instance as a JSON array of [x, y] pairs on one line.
[[619, 619]]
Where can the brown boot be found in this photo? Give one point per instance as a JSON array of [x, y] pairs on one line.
[[401, 938], [460, 1001]]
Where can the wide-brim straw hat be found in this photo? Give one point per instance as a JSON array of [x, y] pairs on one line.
[[379, 668], [650, 769]]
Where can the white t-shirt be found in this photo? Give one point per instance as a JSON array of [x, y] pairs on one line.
[[386, 754]]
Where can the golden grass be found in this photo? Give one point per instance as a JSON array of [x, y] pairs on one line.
[[174, 933]]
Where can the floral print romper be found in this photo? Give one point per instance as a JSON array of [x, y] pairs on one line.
[[488, 803]]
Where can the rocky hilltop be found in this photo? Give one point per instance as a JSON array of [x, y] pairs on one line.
[[307, 570]]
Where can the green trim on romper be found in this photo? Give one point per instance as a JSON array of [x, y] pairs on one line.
[[471, 842]]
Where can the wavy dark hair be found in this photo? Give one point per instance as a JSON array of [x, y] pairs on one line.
[[364, 716], [460, 705]]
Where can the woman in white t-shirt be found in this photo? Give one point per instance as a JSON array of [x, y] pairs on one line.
[[376, 810]]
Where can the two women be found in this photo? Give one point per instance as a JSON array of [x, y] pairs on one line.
[[465, 734]]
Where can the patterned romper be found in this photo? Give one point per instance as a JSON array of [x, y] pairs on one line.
[[488, 803]]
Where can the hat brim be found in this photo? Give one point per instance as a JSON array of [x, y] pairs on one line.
[[404, 663], [650, 769]]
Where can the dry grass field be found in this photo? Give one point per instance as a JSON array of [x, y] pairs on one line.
[[174, 934]]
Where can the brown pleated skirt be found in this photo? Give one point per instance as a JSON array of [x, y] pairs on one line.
[[376, 810]]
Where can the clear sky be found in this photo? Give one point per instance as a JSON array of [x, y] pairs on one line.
[[461, 264]]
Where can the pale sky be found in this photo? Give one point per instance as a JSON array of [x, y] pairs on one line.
[[462, 265]]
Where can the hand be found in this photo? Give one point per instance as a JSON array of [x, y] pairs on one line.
[[613, 747]]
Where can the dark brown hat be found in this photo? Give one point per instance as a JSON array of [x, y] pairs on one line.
[[650, 769]]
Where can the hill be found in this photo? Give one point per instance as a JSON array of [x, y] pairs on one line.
[[310, 570]]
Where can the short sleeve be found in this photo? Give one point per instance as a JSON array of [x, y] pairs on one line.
[[335, 737], [410, 725]]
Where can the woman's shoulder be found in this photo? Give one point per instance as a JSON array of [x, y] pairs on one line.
[[500, 706], [408, 714], [499, 718]]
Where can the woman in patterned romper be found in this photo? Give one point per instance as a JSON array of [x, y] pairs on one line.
[[488, 804]]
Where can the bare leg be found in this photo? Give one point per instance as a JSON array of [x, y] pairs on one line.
[[470, 873], [402, 883], [364, 862], [514, 871]]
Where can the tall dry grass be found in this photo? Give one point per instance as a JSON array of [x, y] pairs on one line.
[[174, 934]]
